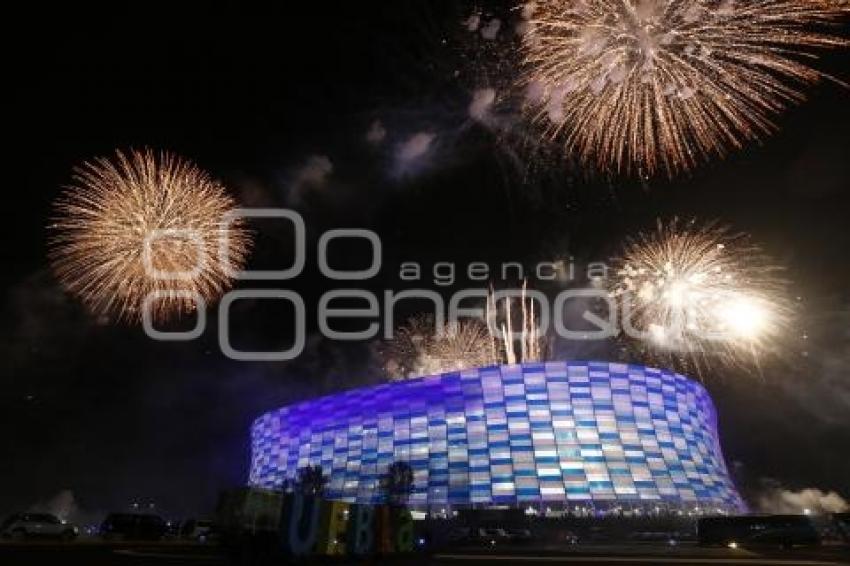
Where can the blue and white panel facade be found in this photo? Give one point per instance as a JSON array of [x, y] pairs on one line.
[[559, 433]]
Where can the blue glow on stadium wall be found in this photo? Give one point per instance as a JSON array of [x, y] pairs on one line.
[[592, 433]]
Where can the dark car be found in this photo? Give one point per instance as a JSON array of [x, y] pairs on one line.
[[772, 530], [459, 535], [133, 526], [842, 525], [519, 535], [490, 536], [197, 529]]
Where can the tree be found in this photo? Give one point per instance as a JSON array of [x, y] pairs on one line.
[[397, 483], [310, 480]]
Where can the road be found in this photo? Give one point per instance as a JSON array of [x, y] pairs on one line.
[[173, 554]]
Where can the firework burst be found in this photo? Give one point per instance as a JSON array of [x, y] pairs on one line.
[[423, 347], [144, 224], [660, 85], [420, 348], [701, 293]]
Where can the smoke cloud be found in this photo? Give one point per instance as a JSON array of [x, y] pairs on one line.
[[826, 391], [415, 147], [775, 499], [412, 152], [473, 22], [491, 29], [312, 176], [482, 101], [65, 506], [376, 134]]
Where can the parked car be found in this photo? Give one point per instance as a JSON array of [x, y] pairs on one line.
[[31, 525], [197, 529], [569, 537], [669, 537], [172, 529], [519, 535], [492, 535], [133, 526], [459, 535], [486, 536]]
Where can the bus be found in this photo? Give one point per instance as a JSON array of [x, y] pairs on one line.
[[771, 530]]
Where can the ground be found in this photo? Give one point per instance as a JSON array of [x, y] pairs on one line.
[[170, 553]]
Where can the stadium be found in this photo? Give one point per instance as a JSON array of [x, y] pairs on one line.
[[564, 435]]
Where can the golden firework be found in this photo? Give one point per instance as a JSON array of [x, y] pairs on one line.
[[423, 347], [660, 85], [700, 292], [420, 347], [145, 226]]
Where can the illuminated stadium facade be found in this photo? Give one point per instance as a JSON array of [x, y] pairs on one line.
[[563, 434]]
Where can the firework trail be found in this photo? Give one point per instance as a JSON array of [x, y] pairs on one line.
[[142, 223], [500, 322], [700, 293], [649, 86]]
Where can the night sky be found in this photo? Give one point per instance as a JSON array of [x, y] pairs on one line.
[[263, 98]]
